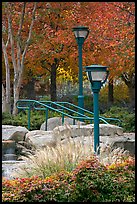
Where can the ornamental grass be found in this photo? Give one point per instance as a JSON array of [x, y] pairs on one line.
[[50, 160]]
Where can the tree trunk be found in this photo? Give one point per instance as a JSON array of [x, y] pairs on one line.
[[16, 98], [131, 97], [110, 93], [7, 93], [53, 92], [16, 91], [130, 82], [3, 100]]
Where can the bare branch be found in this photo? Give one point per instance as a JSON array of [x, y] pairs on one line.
[[7, 72], [4, 28], [30, 32], [7, 40], [11, 39], [5, 53], [19, 34], [21, 19]]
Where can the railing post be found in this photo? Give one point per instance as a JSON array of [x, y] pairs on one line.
[[29, 117], [63, 116], [62, 119], [46, 122]]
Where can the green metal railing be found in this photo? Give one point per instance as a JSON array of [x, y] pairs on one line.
[[63, 108]]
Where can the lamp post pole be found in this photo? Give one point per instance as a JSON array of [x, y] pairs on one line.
[[81, 34], [97, 75], [96, 88], [80, 42]]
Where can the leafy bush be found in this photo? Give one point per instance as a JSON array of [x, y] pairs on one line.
[[89, 181], [127, 118], [113, 183], [21, 119]]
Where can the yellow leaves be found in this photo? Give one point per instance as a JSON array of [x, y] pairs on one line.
[[64, 75]]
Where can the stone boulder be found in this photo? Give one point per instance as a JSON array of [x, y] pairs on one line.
[[72, 131], [40, 138], [16, 133], [57, 121], [126, 145], [24, 149], [65, 131], [108, 130]]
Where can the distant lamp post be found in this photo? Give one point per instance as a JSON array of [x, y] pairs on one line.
[[97, 75], [81, 33]]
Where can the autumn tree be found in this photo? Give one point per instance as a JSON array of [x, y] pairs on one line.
[[52, 41], [114, 41], [15, 43], [110, 41]]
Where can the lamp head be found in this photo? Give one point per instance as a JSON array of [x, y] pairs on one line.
[[97, 73], [81, 32]]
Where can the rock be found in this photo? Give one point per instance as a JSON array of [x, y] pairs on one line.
[[21, 150], [40, 138], [57, 121], [110, 135], [26, 145], [126, 142], [112, 142], [16, 133], [108, 140], [130, 135], [64, 132], [126, 145], [108, 130]]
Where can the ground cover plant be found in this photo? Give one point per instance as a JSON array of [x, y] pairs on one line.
[[90, 181], [125, 115]]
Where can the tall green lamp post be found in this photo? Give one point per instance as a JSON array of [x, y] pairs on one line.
[[81, 33], [97, 75]]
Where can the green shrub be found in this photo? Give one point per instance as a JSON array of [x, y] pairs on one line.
[[21, 119], [127, 118], [90, 181]]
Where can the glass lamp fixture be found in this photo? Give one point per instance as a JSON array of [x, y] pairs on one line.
[[97, 73], [81, 32]]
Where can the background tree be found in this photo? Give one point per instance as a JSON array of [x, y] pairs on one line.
[[114, 40], [14, 13], [53, 45]]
